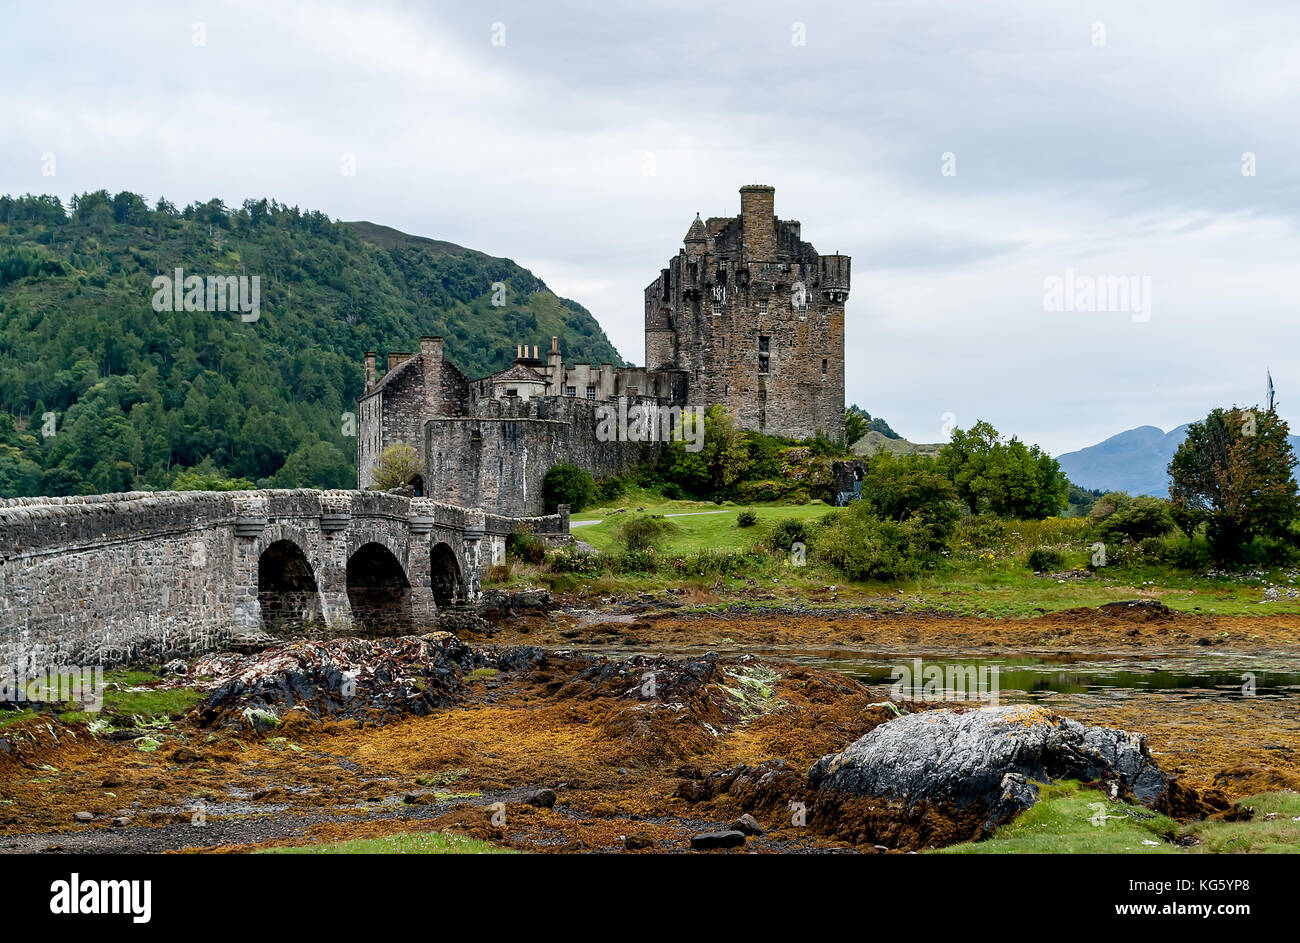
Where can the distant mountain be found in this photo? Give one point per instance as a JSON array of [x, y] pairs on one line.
[[1134, 461]]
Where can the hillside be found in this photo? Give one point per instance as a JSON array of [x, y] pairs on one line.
[[874, 442], [1134, 461], [138, 395]]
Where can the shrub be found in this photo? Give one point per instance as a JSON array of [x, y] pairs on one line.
[[711, 563], [568, 484], [1045, 559], [746, 518], [983, 531], [787, 533], [522, 545], [863, 547], [1117, 515], [640, 560], [399, 465], [570, 560], [644, 532], [610, 488], [912, 486]]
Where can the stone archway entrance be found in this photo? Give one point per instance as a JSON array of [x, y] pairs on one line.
[[445, 577], [378, 591], [286, 588]]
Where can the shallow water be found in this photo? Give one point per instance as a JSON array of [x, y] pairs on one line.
[[1219, 677]]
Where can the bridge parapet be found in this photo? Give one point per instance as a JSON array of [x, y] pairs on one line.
[[102, 579]]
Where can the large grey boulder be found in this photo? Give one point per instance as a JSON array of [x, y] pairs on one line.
[[989, 757]]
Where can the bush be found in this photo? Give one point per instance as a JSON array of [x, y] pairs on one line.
[[524, 546], [568, 484], [399, 465], [864, 547], [610, 488], [570, 560], [787, 533], [1117, 515], [1045, 560], [746, 518], [711, 563], [640, 560], [644, 532], [911, 486]]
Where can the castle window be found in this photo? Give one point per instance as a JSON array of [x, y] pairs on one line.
[[762, 307], [591, 392], [763, 344], [570, 391], [717, 308], [823, 367], [512, 392]]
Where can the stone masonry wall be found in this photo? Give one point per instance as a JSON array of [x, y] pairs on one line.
[[121, 578]]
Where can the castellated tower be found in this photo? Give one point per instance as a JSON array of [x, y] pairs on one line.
[[753, 318]]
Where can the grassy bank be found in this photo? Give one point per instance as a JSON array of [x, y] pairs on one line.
[[1069, 819], [984, 569]]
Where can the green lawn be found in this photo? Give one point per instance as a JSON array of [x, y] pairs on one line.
[[702, 526], [410, 843], [1066, 820]]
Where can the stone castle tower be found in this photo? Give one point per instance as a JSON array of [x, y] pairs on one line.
[[746, 315], [753, 318]]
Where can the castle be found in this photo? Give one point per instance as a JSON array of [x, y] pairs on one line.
[[746, 314]]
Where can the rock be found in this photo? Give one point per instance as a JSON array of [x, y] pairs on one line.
[[638, 841], [543, 798], [723, 839], [375, 680], [988, 758], [84, 817], [122, 821], [496, 604], [747, 824]]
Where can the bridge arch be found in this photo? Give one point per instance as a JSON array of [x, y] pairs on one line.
[[445, 576], [379, 591], [287, 592]]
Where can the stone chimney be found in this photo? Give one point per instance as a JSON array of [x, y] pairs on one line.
[[758, 222], [370, 370], [431, 364]]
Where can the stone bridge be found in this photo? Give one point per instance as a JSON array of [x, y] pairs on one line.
[[147, 576]]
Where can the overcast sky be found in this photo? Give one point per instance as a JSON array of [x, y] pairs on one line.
[[579, 139]]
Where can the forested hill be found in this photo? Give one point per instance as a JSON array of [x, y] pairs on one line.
[[139, 396]]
